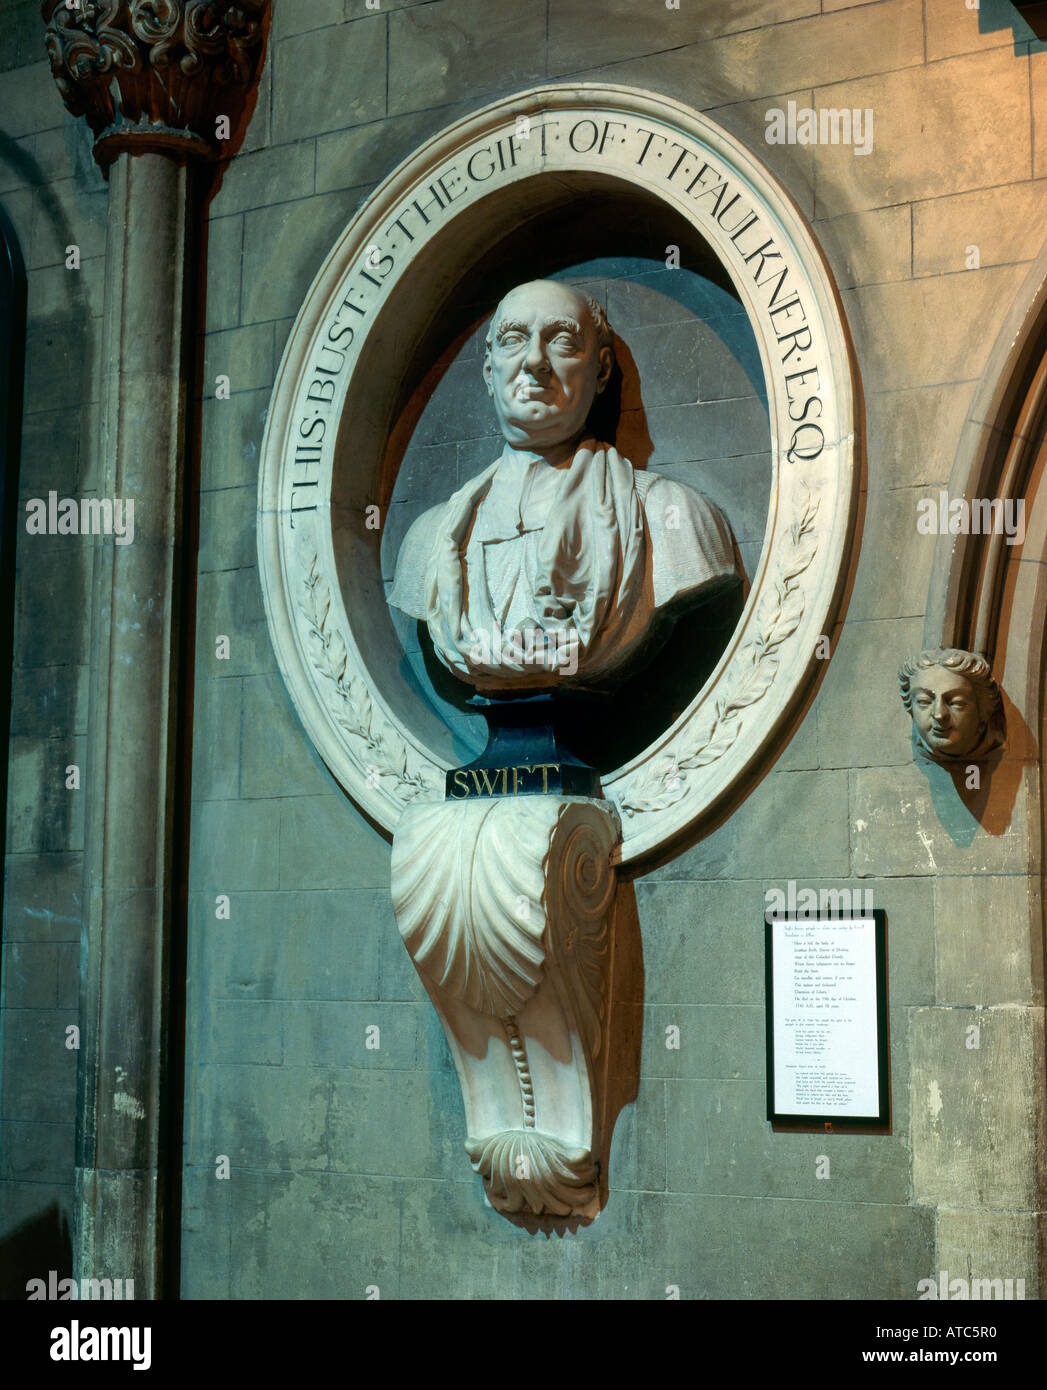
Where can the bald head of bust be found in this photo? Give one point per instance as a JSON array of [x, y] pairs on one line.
[[548, 355]]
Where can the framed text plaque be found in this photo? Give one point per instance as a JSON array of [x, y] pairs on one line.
[[827, 1019]]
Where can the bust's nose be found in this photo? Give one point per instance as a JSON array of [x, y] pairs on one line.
[[536, 361], [940, 711]]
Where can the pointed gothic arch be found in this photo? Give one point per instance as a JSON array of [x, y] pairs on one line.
[[991, 597]]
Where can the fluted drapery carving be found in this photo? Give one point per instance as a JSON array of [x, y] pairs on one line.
[[156, 74]]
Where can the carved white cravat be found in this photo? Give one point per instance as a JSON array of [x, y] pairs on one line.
[[616, 546], [505, 535], [506, 906]]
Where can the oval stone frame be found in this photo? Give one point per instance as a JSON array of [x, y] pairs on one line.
[[340, 386]]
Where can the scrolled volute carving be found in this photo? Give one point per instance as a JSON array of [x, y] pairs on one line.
[[155, 74], [578, 899]]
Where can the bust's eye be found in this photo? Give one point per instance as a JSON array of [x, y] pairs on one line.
[[510, 340]]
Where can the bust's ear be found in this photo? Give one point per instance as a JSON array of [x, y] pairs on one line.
[[487, 371], [606, 367]]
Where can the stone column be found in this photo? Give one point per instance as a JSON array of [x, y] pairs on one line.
[[163, 88]]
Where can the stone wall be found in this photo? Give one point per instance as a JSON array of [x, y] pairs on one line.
[[346, 1165], [56, 198]]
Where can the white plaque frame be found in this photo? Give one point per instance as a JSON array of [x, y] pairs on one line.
[[332, 410]]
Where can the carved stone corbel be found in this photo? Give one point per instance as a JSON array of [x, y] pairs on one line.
[[955, 706], [155, 74], [506, 907]]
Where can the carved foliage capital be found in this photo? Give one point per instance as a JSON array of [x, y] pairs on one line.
[[155, 74]]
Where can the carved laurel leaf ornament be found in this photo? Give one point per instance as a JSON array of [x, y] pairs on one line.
[[383, 751], [778, 617]]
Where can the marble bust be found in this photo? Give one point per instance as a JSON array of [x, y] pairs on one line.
[[955, 706], [549, 568]]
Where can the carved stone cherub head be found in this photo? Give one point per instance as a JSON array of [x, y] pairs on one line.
[[955, 705], [547, 357]]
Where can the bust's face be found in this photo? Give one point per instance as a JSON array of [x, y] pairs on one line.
[[544, 367], [945, 711]]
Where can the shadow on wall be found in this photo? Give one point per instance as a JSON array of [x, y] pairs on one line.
[[1027, 21], [33, 1251], [50, 600], [12, 375], [962, 808]]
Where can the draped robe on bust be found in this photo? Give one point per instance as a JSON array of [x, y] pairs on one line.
[[580, 557]]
